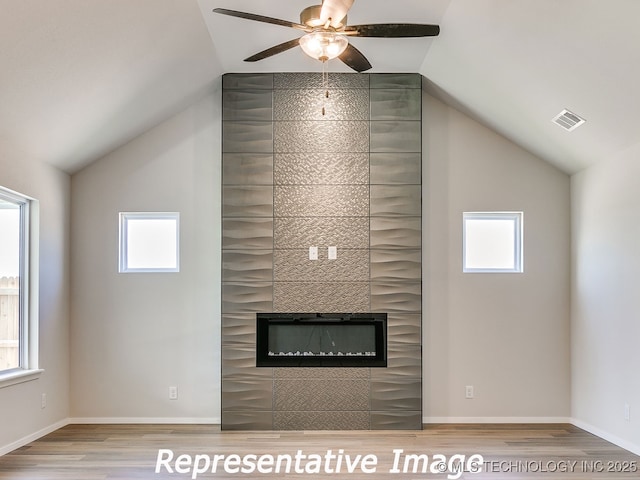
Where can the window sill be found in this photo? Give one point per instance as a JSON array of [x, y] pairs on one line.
[[13, 377]]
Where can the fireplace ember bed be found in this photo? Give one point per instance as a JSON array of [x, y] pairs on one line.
[[321, 339]]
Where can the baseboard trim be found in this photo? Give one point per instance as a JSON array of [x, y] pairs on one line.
[[33, 437], [145, 420], [430, 420], [632, 447]]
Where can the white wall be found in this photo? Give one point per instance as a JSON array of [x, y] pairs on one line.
[[606, 299], [21, 415], [507, 335], [134, 335]]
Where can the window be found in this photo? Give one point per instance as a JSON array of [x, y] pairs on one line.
[[149, 242], [17, 350], [492, 242]]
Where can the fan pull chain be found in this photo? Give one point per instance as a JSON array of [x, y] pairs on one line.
[[325, 86]]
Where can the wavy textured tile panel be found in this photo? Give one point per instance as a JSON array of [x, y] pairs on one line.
[[321, 421], [321, 373], [395, 80], [240, 363], [401, 297], [325, 136], [247, 394], [344, 232], [320, 395], [247, 297], [397, 393], [321, 201], [403, 361], [398, 264], [247, 105], [396, 104], [321, 297], [349, 104], [321, 168], [247, 233], [247, 201], [239, 328], [295, 266], [396, 420], [396, 200], [247, 169], [250, 81], [247, 420], [396, 136], [396, 232], [308, 81], [250, 137], [396, 168], [404, 328], [247, 265]]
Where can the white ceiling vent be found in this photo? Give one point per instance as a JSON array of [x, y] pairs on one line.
[[568, 120]]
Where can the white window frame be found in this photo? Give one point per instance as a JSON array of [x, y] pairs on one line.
[[28, 307], [517, 218], [123, 266]]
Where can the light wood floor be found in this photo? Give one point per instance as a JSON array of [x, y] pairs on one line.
[[91, 452]]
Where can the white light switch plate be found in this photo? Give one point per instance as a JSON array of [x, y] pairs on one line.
[[313, 253], [332, 253]]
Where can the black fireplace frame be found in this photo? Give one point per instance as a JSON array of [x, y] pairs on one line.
[[264, 320]]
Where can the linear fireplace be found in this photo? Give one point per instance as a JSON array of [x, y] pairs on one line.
[[321, 340]]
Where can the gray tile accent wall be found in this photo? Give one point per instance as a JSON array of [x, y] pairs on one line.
[[317, 395], [294, 177], [247, 137], [247, 233], [294, 266], [348, 232], [390, 168], [322, 297], [318, 201], [311, 81], [291, 105], [311, 168], [317, 136], [247, 168]]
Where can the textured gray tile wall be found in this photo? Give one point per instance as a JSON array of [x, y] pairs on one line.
[[395, 241], [295, 178]]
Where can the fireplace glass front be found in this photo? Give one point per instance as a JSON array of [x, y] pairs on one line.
[[321, 340]]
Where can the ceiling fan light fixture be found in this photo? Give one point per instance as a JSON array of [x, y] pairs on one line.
[[323, 45]]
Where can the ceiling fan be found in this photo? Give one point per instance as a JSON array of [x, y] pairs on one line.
[[326, 33]]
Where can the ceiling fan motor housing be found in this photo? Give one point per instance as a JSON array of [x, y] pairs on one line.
[[311, 16]]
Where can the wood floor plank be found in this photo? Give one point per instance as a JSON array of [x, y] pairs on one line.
[[130, 452]]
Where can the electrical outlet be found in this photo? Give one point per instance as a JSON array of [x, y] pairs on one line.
[[468, 391], [173, 393], [43, 400], [627, 412]]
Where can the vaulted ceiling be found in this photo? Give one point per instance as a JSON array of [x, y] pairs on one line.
[[79, 78]]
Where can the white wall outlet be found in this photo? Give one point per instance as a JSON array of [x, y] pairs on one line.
[[627, 412], [332, 253], [43, 400], [313, 253], [173, 393], [468, 391]]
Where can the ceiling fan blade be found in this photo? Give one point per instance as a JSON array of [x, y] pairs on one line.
[[354, 59], [335, 10], [261, 18], [393, 30], [269, 52]]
